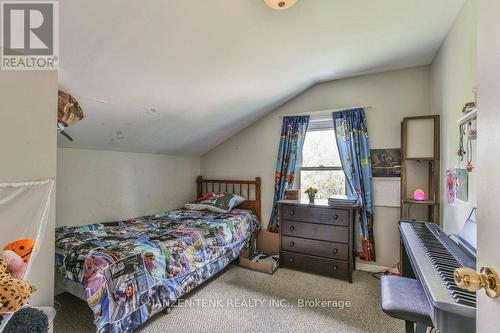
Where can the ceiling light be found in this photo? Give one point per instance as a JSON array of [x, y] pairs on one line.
[[280, 4]]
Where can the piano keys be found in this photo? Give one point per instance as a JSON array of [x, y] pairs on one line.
[[430, 256]]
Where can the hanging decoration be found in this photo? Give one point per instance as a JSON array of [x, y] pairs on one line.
[[462, 184], [451, 189], [468, 132]]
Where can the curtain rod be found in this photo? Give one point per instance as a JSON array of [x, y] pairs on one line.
[[327, 111]]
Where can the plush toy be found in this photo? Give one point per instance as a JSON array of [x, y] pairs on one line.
[[15, 264], [14, 293], [28, 320], [22, 247]]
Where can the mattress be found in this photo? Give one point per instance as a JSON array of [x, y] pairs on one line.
[[135, 268]]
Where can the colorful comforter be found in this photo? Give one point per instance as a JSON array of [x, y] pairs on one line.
[[132, 269]]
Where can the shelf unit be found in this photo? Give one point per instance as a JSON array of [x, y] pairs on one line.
[[420, 150]]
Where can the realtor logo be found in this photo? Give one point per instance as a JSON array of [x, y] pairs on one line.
[[29, 35]]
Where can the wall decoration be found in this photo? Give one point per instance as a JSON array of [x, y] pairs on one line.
[[386, 162], [462, 184], [451, 189]]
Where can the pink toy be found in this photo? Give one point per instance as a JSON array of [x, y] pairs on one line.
[[419, 195], [15, 264]]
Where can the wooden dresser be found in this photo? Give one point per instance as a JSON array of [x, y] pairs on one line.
[[317, 238]]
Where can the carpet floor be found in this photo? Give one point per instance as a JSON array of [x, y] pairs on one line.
[[240, 300]]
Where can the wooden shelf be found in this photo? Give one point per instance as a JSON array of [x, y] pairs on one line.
[[418, 202], [420, 159], [420, 132]]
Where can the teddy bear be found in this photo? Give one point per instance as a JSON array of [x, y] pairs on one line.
[[14, 293]]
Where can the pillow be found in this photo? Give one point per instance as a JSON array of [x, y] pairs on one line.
[[216, 202]]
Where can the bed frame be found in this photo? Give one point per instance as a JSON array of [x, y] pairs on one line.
[[249, 189]]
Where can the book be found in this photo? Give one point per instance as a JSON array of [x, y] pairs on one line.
[[343, 200]]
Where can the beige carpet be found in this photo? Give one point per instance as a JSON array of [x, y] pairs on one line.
[[243, 302]]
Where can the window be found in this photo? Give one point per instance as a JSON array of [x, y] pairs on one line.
[[321, 167]]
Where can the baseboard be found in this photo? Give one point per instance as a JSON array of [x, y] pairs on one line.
[[361, 266]]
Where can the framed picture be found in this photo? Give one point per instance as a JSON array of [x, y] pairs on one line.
[[386, 162], [451, 188], [462, 181]]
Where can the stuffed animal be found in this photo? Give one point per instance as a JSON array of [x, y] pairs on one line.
[[15, 264], [28, 320], [22, 247], [14, 293]]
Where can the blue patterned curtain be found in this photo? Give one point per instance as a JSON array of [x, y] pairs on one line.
[[293, 133], [352, 140]]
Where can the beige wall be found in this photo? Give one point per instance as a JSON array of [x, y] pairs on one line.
[[453, 77], [391, 95], [28, 109], [97, 186]]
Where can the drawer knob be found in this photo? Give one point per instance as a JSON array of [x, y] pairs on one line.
[[335, 267], [335, 217], [291, 260], [292, 228], [292, 212], [335, 251], [292, 243]]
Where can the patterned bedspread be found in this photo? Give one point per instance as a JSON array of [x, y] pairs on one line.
[[132, 269]]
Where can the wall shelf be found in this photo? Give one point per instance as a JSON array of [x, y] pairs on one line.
[[420, 143], [420, 202], [418, 159], [468, 117]]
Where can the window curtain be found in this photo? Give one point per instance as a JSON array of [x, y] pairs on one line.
[[293, 133], [351, 135]]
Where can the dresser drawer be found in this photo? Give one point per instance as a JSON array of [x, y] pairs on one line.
[[315, 264], [315, 247], [314, 214], [323, 232]]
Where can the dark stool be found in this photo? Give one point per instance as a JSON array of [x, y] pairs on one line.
[[405, 299]]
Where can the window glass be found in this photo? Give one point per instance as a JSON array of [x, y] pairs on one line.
[[321, 167], [320, 149]]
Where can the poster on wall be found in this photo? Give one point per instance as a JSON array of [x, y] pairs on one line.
[[462, 184], [451, 189], [386, 162]]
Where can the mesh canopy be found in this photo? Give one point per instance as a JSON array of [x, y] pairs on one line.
[[24, 210]]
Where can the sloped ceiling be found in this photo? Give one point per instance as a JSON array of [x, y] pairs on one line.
[[181, 76]]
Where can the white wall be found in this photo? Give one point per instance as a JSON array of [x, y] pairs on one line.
[[28, 109], [98, 186], [453, 76], [392, 96], [488, 156]]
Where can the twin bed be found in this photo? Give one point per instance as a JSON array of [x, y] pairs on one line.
[[129, 270]]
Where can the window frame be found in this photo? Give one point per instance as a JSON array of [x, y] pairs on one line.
[[319, 128]]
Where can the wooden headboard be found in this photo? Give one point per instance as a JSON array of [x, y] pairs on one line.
[[249, 189]]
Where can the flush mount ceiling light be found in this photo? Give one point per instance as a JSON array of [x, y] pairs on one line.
[[280, 4]]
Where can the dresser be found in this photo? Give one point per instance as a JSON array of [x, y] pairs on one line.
[[317, 238]]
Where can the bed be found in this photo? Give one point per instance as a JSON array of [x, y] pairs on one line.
[[129, 270]]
